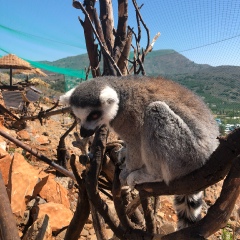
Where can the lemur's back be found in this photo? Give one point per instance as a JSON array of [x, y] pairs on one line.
[[182, 101]]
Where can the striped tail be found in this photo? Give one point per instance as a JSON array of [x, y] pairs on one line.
[[188, 209]]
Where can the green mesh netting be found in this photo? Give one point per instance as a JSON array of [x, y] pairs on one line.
[[66, 71]]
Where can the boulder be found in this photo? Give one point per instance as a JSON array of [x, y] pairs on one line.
[[22, 180], [53, 191], [59, 215], [23, 135], [3, 143], [5, 163], [40, 230], [42, 140]]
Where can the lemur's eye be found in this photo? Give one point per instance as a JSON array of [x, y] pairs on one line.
[[94, 115]]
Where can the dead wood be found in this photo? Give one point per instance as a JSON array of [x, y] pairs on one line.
[[93, 170], [118, 201], [79, 5], [8, 226], [5, 110], [45, 114], [91, 179], [89, 38], [149, 215], [106, 17], [62, 154], [38, 155], [121, 34], [98, 223], [82, 210], [123, 60]]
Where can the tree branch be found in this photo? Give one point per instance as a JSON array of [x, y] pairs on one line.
[[79, 5]]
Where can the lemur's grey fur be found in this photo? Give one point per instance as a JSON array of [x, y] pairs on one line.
[[167, 129]]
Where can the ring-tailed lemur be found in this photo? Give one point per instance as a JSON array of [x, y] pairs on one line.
[[168, 130]]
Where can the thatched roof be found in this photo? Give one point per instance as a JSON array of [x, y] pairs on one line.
[[14, 62], [28, 72]]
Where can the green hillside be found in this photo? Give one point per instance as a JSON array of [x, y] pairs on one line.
[[219, 86]]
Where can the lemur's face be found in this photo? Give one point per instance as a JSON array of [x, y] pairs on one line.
[[93, 117]]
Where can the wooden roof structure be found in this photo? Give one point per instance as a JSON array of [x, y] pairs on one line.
[[11, 62], [28, 72], [14, 62]]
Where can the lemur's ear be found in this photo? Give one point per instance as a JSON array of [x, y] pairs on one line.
[[65, 99], [108, 96]]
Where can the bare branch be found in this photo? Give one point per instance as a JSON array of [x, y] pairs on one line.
[[79, 5], [82, 210], [106, 17], [8, 227], [120, 38], [89, 38], [123, 60], [149, 49], [143, 23]]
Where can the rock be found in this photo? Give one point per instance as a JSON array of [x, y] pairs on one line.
[[22, 181], [92, 237], [161, 215], [84, 233], [59, 215], [42, 140], [61, 235], [31, 204], [3, 128], [40, 200], [166, 229], [26, 217], [40, 230], [109, 233], [52, 191], [2, 120], [5, 163], [3, 144], [91, 231], [23, 135], [3, 153]]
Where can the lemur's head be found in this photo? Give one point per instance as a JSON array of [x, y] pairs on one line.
[[93, 103]]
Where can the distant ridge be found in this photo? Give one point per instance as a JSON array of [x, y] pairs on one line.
[[219, 86]]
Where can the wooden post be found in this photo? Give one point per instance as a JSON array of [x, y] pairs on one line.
[[10, 76]]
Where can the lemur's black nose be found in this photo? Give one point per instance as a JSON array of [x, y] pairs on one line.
[[86, 132]]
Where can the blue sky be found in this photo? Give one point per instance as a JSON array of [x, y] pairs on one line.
[[205, 31]]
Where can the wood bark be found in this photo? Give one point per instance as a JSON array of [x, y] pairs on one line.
[[121, 34], [89, 39], [8, 225], [82, 210]]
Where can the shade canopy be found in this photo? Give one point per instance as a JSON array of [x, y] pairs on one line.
[[14, 62], [29, 72], [11, 62]]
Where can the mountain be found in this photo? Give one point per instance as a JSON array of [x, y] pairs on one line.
[[219, 86], [168, 62]]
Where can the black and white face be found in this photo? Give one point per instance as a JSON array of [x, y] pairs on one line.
[[94, 117]]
